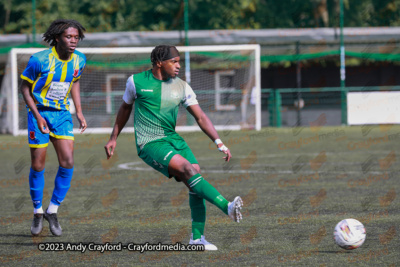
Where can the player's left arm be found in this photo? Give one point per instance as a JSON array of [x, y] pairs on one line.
[[76, 96], [207, 127]]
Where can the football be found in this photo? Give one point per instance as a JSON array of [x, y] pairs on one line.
[[349, 234]]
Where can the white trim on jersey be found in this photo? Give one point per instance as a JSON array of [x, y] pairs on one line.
[[190, 97], [130, 91]]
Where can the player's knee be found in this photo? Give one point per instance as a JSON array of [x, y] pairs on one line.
[[187, 171], [197, 168], [67, 163], [37, 166]]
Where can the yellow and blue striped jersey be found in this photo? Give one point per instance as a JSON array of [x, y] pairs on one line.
[[52, 78]]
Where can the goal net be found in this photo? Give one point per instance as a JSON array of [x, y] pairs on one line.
[[226, 80]]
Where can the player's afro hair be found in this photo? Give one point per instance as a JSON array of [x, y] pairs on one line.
[[58, 26], [160, 53]]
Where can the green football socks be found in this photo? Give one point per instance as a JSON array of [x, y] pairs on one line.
[[198, 210], [205, 190]]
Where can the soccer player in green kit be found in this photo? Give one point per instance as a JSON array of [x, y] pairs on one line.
[[157, 94]]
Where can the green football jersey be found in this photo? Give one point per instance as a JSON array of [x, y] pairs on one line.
[[156, 105]]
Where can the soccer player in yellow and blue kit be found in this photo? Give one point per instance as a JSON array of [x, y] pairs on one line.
[[47, 81]]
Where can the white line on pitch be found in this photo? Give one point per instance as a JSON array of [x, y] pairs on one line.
[[132, 166]]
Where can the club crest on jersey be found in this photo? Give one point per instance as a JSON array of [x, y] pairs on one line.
[[175, 95], [76, 72], [32, 135]]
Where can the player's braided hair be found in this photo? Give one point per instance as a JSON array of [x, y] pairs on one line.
[[159, 53], [58, 26]]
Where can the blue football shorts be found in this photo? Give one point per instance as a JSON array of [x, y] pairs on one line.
[[59, 123]]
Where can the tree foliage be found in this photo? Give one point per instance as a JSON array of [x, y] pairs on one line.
[[156, 15]]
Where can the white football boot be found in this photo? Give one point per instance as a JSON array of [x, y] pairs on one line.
[[234, 208], [202, 241]]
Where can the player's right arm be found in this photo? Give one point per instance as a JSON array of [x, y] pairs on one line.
[[29, 75], [26, 93], [122, 117]]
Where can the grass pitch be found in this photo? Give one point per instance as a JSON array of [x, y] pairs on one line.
[[296, 183]]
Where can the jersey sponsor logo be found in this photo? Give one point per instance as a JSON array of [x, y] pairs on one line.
[[70, 132], [146, 90], [57, 90], [165, 158], [32, 135], [52, 72]]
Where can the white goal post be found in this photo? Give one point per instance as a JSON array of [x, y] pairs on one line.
[[222, 76]]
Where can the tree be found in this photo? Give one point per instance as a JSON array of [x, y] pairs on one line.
[[156, 15]]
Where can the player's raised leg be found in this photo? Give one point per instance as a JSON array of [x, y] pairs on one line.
[[36, 185], [180, 167], [62, 183], [200, 189]]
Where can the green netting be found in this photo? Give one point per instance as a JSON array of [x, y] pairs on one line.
[[233, 57], [5, 50], [367, 56], [280, 58], [264, 58], [120, 65], [374, 56]]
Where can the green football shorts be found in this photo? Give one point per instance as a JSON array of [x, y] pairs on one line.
[[158, 153]]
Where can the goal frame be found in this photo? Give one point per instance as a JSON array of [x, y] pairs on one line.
[[121, 50]]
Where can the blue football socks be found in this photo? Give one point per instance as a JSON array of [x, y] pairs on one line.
[[61, 184], [36, 184]]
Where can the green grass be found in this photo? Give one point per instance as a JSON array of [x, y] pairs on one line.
[[296, 184]]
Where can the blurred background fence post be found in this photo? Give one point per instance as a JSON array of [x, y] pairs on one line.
[[342, 68], [274, 108], [34, 21]]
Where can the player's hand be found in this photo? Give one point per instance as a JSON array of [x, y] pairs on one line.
[[224, 149], [42, 124], [109, 147], [82, 122]]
